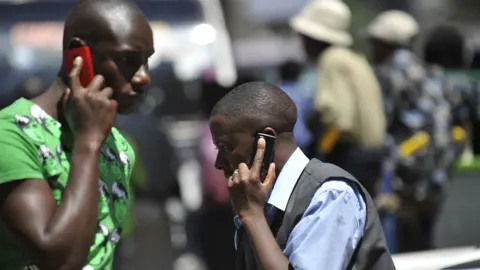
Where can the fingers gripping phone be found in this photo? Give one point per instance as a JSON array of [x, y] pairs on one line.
[[75, 48], [269, 151]]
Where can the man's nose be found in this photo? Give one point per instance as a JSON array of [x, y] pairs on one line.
[[142, 76]]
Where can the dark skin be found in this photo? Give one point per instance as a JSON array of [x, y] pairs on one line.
[[313, 48], [381, 51], [59, 237], [248, 189]]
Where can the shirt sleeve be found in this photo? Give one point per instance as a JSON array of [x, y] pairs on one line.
[[18, 155], [332, 226], [334, 97]]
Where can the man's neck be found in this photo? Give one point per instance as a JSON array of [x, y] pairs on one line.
[[50, 99], [283, 152], [384, 59]]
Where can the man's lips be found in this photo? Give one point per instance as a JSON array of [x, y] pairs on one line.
[[137, 91]]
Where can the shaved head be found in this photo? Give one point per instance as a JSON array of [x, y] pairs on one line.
[[94, 20], [256, 105], [251, 108]]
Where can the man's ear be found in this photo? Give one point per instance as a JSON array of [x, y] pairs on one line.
[[270, 131]]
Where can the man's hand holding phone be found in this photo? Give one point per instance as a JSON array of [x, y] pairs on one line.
[[89, 111], [248, 192]]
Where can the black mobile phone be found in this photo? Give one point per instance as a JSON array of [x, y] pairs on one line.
[[269, 151]]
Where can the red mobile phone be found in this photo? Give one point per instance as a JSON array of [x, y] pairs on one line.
[[78, 48]]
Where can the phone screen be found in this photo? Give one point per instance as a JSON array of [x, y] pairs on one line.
[[78, 48]]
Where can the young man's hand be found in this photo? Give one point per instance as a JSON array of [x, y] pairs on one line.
[[248, 192], [90, 112]]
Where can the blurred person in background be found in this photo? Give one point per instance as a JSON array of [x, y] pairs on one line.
[[445, 47], [418, 121], [391, 35], [348, 121], [290, 72], [65, 170]]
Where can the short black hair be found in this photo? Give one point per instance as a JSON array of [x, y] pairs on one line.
[[256, 105], [445, 46]]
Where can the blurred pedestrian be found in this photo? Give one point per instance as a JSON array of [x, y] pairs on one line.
[[349, 122], [418, 121], [391, 35], [446, 47], [290, 72]]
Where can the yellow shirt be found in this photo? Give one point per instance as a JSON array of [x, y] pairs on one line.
[[349, 97]]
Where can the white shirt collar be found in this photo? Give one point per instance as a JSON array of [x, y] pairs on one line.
[[287, 179]]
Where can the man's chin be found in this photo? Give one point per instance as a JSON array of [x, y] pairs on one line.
[[127, 109], [129, 104]]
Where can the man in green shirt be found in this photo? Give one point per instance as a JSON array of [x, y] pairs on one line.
[[64, 169]]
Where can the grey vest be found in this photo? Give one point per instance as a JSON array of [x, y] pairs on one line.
[[371, 252]]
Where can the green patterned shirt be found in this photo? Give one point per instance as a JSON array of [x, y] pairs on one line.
[[31, 149]]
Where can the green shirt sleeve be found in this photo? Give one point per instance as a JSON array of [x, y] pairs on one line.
[[18, 155]]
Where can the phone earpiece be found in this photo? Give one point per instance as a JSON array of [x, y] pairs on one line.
[[270, 131]]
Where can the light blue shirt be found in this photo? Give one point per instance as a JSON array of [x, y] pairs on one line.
[[331, 227], [304, 105]]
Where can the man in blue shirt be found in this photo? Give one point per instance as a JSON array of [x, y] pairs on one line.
[[290, 73], [330, 230]]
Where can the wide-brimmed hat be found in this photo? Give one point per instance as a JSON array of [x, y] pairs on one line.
[[324, 20], [393, 26]]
